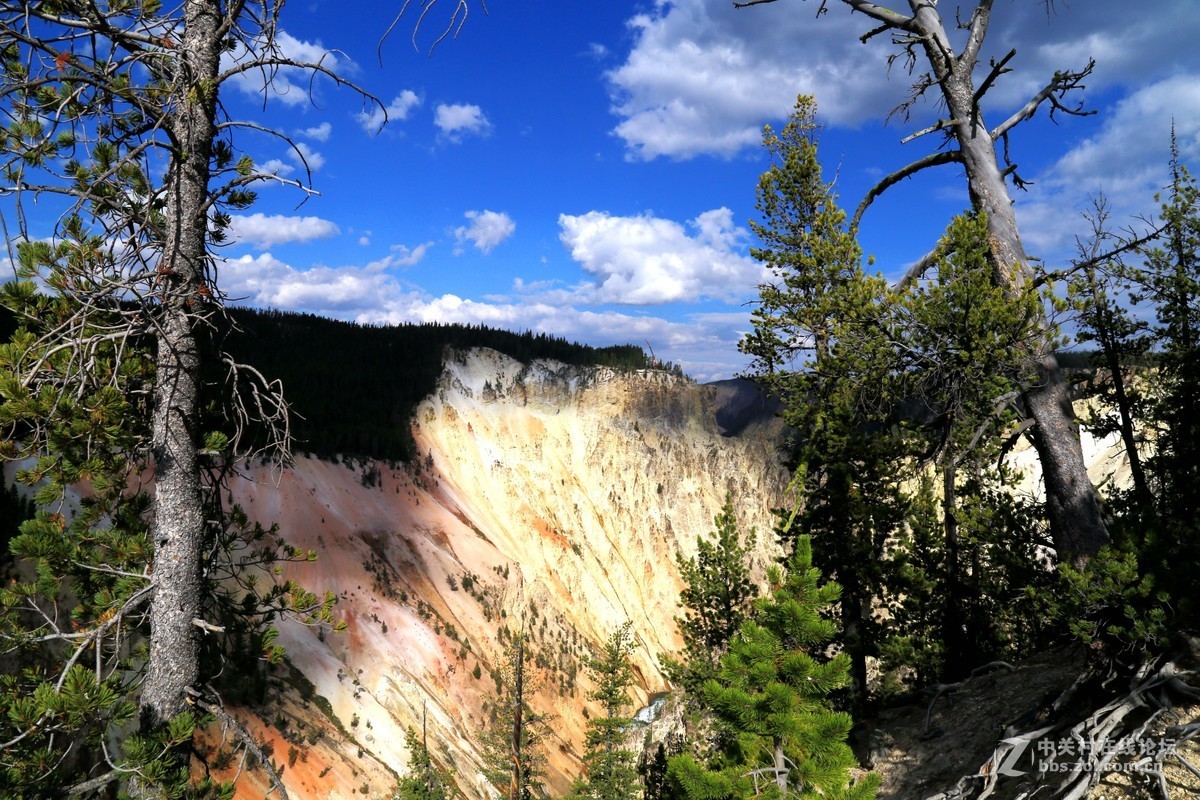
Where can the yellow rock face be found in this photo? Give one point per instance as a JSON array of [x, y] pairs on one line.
[[550, 496]]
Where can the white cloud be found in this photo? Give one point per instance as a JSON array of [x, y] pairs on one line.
[[320, 133], [289, 85], [706, 346], [486, 230], [306, 157], [703, 77], [644, 259], [264, 280], [400, 256], [262, 231], [276, 167], [458, 119], [1127, 161], [373, 120]]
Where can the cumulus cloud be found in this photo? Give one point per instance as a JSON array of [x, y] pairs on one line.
[[1127, 161], [319, 133], [400, 256], [276, 167], [486, 230], [705, 344], [288, 85], [645, 259], [264, 280], [457, 120], [373, 120], [263, 232], [702, 77], [305, 157]]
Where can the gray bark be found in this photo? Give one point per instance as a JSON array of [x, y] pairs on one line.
[[174, 659]]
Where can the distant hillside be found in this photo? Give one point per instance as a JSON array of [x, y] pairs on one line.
[[353, 387]]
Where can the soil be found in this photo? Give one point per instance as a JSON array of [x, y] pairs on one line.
[[946, 753]]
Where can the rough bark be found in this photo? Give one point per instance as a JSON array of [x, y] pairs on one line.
[[173, 665]]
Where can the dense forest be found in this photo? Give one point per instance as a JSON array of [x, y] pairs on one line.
[[353, 387]]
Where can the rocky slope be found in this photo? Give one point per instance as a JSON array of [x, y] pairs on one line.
[[547, 496]]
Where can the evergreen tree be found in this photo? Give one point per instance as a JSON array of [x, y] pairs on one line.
[[610, 770], [772, 696], [115, 109], [512, 744], [1124, 342], [820, 345], [963, 345], [1171, 274], [716, 597], [424, 780]]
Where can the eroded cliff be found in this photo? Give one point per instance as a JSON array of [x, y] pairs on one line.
[[550, 496]]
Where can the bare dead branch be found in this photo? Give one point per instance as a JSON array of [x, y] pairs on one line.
[[931, 160], [998, 69], [1059, 85]]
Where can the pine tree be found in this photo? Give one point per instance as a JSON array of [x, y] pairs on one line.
[[772, 695], [716, 597], [424, 780], [1124, 342], [965, 346], [819, 345], [115, 110], [610, 769], [514, 761]]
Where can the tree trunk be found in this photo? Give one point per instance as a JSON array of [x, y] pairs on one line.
[[1073, 505], [178, 529], [955, 659], [1112, 359]]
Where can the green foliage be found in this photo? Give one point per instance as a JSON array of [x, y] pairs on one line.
[[1127, 600], [771, 696], [610, 770], [1112, 603], [716, 598], [513, 760], [882, 386], [424, 780]]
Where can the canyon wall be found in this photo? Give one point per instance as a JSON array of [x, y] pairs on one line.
[[547, 497]]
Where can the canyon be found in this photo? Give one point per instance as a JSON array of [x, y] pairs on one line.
[[545, 497]]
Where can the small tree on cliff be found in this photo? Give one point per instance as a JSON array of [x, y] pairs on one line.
[[610, 770], [716, 597], [424, 780], [771, 695], [514, 763]]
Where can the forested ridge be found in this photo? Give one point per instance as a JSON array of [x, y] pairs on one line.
[[353, 387]]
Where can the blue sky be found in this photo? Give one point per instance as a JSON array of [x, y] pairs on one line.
[[588, 169]]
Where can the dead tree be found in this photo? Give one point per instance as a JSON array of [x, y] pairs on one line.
[[920, 34]]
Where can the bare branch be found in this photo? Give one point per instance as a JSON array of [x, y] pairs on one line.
[[978, 26], [1059, 85], [998, 69], [1096, 260], [931, 160], [916, 271], [942, 124]]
